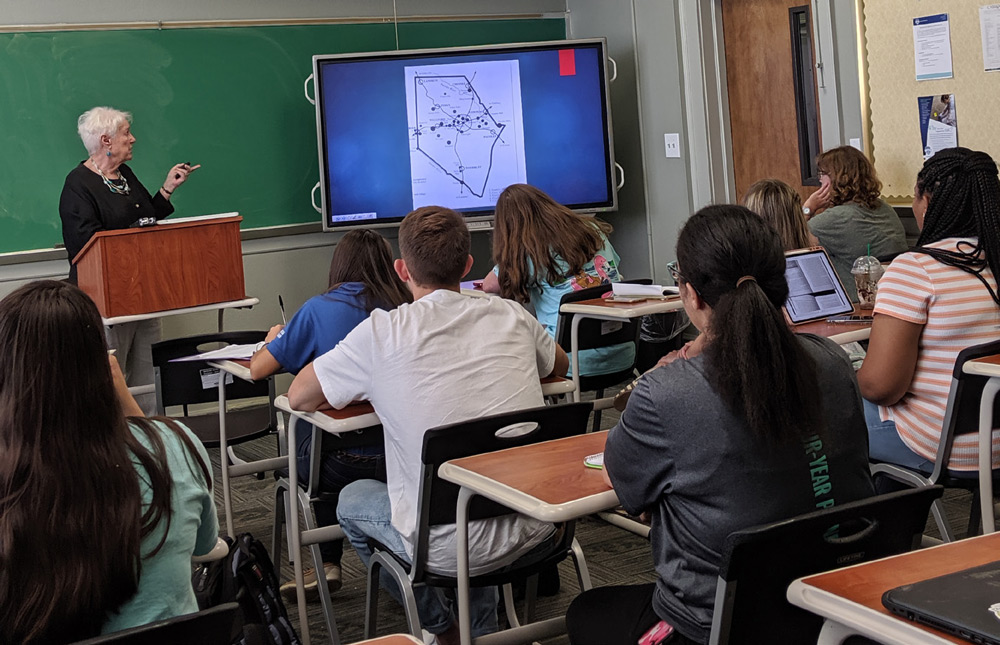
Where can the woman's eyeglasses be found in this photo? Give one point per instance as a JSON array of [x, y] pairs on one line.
[[675, 273]]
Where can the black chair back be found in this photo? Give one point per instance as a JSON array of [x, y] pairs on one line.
[[964, 418], [594, 333], [213, 626], [759, 563], [181, 383], [438, 498]]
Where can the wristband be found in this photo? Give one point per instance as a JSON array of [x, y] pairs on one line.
[[164, 189]]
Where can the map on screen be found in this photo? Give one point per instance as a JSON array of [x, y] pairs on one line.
[[465, 131]]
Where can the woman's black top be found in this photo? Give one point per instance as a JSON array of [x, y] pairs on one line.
[[87, 205]]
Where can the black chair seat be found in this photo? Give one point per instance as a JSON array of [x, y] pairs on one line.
[[559, 553], [242, 424], [211, 626]]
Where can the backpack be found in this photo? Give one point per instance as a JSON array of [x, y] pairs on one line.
[[246, 576]]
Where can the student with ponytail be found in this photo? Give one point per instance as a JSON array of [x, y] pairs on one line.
[[932, 303], [727, 435]]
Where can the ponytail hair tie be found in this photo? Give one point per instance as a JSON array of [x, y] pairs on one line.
[[746, 278]]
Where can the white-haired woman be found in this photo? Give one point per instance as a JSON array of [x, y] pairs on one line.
[[102, 193]]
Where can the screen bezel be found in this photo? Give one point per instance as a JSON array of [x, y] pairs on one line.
[[416, 54], [837, 282]]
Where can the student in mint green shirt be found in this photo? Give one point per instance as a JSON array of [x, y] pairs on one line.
[[101, 509], [543, 251]]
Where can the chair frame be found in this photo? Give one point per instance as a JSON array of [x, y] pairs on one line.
[[968, 393], [586, 329], [438, 502], [306, 496], [230, 464], [900, 516]]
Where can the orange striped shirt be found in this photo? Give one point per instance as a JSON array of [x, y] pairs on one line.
[[956, 312]]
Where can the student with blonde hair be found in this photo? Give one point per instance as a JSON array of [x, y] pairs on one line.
[[779, 205]]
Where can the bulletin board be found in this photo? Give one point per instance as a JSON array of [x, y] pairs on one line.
[[893, 88]]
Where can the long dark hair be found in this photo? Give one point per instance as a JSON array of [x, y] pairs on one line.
[[964, 201], [365, 256], [71, 511], [531, 230], [752, 358]]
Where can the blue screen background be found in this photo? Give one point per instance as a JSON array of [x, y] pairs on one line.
[[363, 107]]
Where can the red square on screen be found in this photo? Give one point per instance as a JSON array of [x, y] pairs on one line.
[[567, 62]]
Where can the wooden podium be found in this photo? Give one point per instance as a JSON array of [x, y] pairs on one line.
[[172, 265]]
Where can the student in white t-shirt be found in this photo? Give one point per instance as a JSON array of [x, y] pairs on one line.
[[442, 359], [932, 303]]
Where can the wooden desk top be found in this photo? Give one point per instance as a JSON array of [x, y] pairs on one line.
[[839, 333], [356, 416], [547, 481], [601, 307], [864, 584]]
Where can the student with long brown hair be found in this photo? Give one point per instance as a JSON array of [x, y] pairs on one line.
[[361, 279], [544, 250], [729, 435], [779, 205], [100, 509], [847, 214]]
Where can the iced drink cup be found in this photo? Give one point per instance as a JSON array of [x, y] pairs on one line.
[[867, 271]]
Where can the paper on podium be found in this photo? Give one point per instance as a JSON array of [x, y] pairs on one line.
[[227, 353], [629, 290]]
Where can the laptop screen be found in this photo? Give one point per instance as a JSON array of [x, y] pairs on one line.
[[814, 290]]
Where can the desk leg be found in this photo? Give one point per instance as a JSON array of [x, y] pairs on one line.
[[462, 538], [986, 453], [227, 496], [222, 313], [574, 354], [293, 518], [833, 633]]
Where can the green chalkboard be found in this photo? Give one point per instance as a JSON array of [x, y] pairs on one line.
[[229, 98]]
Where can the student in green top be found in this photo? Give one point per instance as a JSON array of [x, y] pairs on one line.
[[100, 508], [847, 213]]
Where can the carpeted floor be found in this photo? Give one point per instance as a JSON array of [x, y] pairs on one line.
[[614, 556]]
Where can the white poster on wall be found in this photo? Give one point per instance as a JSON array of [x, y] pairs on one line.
[[989, 24], [932, 47]]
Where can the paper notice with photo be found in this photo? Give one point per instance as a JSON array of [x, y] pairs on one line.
[[629, 290], [227, 353], [938, 123]]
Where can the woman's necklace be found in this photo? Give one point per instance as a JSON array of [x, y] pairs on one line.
[[117, 186]]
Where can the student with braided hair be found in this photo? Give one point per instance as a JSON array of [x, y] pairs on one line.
[[932, 303]]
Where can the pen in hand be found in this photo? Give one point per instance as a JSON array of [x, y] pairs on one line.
[[281, 306]]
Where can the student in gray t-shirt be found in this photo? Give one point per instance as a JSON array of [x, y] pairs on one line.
[[749, 424], [857, 221]]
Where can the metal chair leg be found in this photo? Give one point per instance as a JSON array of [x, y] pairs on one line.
[[582, 572], [279, 522]]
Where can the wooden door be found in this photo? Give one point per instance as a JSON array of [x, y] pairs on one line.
[[775, 130]]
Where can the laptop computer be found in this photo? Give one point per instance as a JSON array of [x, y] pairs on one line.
[[965, 603], [814, 290]]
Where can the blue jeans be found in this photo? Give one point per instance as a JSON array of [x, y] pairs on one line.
[[364, 512], [337, 469], [885, 445]]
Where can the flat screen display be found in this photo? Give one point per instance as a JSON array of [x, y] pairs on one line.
[[814, 290], [454, 127]]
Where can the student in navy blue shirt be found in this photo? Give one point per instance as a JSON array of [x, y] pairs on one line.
[[361, 279]]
